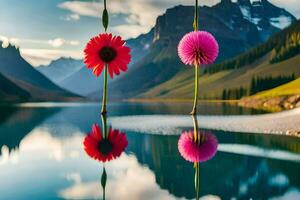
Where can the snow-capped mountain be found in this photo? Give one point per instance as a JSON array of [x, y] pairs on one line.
[[265, 15]]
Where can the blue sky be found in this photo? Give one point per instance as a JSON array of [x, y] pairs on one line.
[[48, 29]]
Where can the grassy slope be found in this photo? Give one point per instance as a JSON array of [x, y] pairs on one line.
[[291, 88], [211, 86]]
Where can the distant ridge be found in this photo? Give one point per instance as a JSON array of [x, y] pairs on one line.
[[27, 78]]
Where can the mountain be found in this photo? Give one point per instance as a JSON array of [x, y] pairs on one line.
[[263, 67], [60, 69], [26, 77], [10, 91], [235, 32], [82, 82], [265, 16]]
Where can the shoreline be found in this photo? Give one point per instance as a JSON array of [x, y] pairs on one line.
[[173, 100], [273, 104], [286, 123]]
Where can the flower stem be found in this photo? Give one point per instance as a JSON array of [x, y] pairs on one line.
[[104, 97], [194, 111], [195, 26], [104, 4], [197, 180], [197, 137], [103, 194], [104, 125], [103, 181]]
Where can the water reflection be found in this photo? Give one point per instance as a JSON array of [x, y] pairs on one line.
[[16, 123], [104, 146], [46, 144], [197, 147]]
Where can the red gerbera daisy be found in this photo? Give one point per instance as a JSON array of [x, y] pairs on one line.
[[109, 50], [104, 149]]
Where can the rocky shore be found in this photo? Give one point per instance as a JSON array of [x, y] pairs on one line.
[[277, 103]]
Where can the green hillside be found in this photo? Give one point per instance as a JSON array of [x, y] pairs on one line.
[[286, 96], [291, 88]]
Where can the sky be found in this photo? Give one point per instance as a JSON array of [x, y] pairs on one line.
[[48, 29]]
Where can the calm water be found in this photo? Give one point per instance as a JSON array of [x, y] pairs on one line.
[[42, 157]]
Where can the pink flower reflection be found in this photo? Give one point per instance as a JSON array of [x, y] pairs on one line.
[[197, 152]]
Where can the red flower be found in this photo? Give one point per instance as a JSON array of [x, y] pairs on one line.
[[107, 49], [104, 149]]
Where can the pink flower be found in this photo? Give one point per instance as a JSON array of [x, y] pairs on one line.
[[198, 47], [194, 152]]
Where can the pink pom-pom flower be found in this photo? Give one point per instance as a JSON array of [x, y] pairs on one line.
[[198, 47], [197, 152]]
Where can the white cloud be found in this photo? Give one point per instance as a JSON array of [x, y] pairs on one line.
[[292, 6], [128, 31], [72, 17], [58, 42], [139, 12], [38, 57], [91, 9], [124, 171], [6, 41], [43, 56], [40, 140]]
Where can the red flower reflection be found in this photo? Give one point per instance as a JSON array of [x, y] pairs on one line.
[[104, 149], [109, 50]]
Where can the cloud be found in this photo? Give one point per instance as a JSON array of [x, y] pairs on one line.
[[38, 57], [124, 171], [72, 17], [128, 31], [292, 6], [56, 42], [91, 9], [137, 12], [43, 56]]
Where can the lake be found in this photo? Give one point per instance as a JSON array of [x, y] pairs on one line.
[[42, 156]]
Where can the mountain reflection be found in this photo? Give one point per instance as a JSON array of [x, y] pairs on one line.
[[16, 123]]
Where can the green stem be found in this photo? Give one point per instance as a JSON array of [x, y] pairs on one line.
[[104, 126], [197, 180], [194, 111], [196, 130], [103, 181], [195, 24], [104, 194], [104, 97], [104, 4]]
